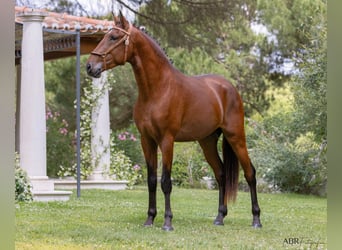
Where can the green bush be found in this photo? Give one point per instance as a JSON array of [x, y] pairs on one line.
[[121, 168], [288, 165], [59, 143], [22, 185], [128, 140], [189, 165]]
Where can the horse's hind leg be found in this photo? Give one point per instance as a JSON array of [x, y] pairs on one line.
[[209, 147], [237, 141]]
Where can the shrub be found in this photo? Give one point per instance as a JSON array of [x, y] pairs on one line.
[[121, 168], [288, 165], [22, 185], [60, 149], [128, 140], [189, 165]]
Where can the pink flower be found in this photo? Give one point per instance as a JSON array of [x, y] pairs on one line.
[[133, 137], [63, 131], [48, 115], [136, 167], [122, 137]]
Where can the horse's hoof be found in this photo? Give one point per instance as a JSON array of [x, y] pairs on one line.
[[218, 223], [167, 228], [149, 222], [256, 225]]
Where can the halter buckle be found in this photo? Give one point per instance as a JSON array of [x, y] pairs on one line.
[[127, 41]]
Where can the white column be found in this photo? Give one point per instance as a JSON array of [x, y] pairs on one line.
[[32, 110], [100, 140], [32, 101]]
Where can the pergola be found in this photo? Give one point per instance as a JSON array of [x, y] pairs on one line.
[[42, 35]]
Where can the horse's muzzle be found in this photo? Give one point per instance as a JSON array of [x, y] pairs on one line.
[[94, 71]]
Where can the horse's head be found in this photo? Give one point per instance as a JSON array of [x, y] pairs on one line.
[[112, 50]]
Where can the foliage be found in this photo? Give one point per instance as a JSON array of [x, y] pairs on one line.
[[22, 184], [106, 219], [310, 88], [128, 141], [189, 165], [59, 143], [126, 156], [60, 87], [291, 166], [189, 20], [291, 22], [289, 146], [195, 62], [121, 168]]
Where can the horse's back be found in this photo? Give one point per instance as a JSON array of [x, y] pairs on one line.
[[223, 90], [206, 102]]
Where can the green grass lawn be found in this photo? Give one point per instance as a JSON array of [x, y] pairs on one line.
[[113, 220]]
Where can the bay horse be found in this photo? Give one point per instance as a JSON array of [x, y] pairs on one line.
[[174, 107]]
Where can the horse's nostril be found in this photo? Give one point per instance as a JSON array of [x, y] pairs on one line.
[[88, 67]]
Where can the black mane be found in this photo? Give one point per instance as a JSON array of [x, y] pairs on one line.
[[144, 30]]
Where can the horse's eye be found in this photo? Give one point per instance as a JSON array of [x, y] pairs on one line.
[[112, 38]]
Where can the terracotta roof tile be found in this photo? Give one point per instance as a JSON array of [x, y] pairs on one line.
[[59, 44], [63, 21]]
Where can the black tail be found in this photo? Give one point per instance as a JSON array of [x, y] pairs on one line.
[[231, 170]]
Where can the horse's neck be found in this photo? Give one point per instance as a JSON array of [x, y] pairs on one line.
[[150, 66]]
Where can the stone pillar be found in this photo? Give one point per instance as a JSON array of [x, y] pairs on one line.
[[32, 107], [32, 101], [100, 130]]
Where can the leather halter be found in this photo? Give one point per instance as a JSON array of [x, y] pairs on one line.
[[125, 39]]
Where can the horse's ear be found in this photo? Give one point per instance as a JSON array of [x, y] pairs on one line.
[[116, 20], [121, 21]]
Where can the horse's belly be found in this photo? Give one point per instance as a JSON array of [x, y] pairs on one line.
[[198, 123], [195, 131]]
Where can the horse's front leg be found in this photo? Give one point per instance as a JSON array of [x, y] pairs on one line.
[[150, 153], [166, 147]]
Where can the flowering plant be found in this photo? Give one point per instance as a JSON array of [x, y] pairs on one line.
[[60, 143], [128, 141], [22, 184], [121, 168]]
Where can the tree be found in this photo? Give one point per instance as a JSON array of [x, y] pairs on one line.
[[310, 86], [290, 22], [290, 147]]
